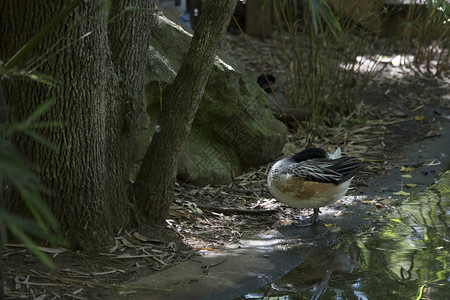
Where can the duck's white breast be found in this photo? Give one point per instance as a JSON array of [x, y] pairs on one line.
[[299, 193]]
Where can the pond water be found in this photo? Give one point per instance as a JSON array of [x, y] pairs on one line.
[[404, 255]]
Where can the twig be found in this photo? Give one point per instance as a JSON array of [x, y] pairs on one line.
[[37, 283], [127, 256], [213, 265], [155, 258], [94, 283], [237, 211]]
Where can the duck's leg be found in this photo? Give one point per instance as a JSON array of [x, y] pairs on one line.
[[313, 220], [315, 216]]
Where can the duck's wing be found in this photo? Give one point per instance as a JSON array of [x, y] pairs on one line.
[[319, 170], [348, 167], [326, 170]]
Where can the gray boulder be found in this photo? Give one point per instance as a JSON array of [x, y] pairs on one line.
[[233, 130]]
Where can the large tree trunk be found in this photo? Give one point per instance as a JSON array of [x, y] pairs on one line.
[[154, 182], [101, 78]]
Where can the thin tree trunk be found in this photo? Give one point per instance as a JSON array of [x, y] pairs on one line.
[[129, 36], [154, 182], [4, 190]]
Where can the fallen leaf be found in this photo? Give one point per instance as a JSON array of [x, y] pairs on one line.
[[434, 163], [140, 237], [406, 169], [204, 248], [127, 243], [401, 193], [115, 247], [377, 204], [410, 185], [406, 176], [54, 251], [419, 118], [336, 229]]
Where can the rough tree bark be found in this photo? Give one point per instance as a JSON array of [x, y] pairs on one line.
[[154, 183], [102, 76], [129, 37]]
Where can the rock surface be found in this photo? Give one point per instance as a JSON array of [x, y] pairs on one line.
[[233, 128]]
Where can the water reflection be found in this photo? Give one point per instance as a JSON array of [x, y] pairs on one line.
[[403, 256], [315, 274]]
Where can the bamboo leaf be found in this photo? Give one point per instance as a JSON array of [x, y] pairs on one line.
[[19, 233], [41, 78], [40, 139], [39, 111], [40, 35], [321, 10], [14, 169]]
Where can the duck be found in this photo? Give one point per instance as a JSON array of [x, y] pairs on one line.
[[282, 107], [312, 178]]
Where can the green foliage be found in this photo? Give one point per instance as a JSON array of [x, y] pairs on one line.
[[353, 121], [161, 91], [320, 10], [22, 229], [15, 171], [427, 32], [409, 252], [324, 69]]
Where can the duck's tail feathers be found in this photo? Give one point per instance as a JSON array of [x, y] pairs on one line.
[[337, 154], [348, 167]]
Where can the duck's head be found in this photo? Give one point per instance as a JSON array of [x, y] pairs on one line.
[[310, 153], [262, 79]]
